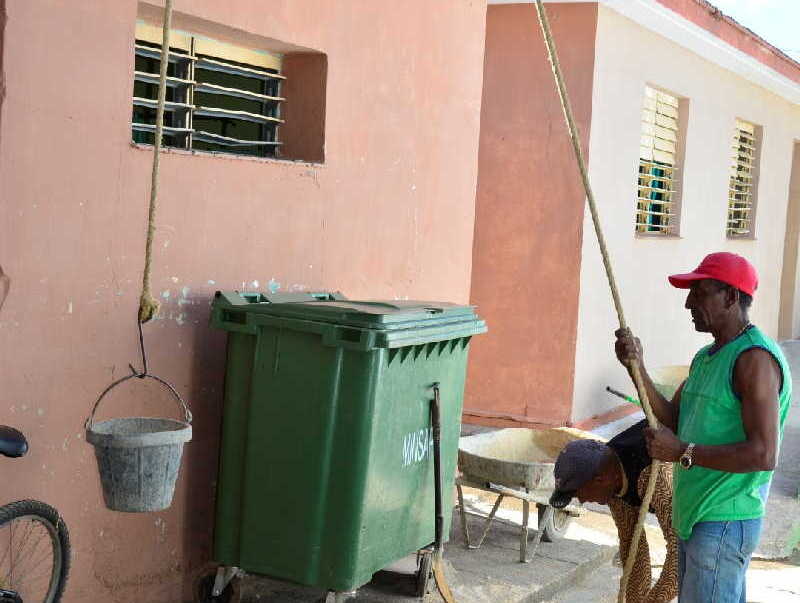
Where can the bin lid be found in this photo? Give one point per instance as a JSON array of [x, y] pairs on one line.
[[335, 308], [357, 325]]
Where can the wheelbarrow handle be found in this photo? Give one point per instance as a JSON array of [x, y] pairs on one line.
[[616, 392]]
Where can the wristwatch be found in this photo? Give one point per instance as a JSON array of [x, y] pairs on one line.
[[687, 458]]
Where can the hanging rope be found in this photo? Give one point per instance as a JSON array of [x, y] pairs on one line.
[[635, 368], [148, 305]]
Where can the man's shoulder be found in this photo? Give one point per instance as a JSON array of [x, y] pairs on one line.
[[755, 364], [757, 354], [755, 340]]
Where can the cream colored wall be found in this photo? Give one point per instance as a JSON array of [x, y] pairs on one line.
[[789, 323], [629, 57]]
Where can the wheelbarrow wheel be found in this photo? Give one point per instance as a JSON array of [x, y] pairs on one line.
[[556, 528], [424, 567], [204, 587]]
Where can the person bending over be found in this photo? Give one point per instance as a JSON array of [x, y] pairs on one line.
[[616, 474]]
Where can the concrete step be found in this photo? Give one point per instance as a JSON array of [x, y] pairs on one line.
[[599, 587]]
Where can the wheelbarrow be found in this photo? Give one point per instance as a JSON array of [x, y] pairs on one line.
[[517, 463]]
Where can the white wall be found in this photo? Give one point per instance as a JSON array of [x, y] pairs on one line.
[[627, 58], [789, 324]]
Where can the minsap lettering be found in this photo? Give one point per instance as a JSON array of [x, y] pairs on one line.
[[417, 445]]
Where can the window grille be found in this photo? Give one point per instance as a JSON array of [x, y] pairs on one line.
[[219, 98], [744, 165], [656, 202]]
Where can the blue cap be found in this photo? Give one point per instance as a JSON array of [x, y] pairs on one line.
[[579, 461]]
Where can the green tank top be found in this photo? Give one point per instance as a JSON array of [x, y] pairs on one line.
[[710, 414]]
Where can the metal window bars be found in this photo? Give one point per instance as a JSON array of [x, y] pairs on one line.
[[213, 103], [740, 191], [656, 201]]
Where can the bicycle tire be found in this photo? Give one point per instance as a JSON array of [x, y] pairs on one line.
[[59, 539]]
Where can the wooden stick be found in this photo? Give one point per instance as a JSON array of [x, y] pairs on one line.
[[635, 368]]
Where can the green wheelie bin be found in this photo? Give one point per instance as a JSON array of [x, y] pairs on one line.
[[326, 469]]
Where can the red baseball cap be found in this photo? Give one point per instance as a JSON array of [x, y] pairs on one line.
[[723, 266]]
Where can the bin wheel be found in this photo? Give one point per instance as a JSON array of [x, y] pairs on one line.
[[204, 586], [554, 529], [424, 567]]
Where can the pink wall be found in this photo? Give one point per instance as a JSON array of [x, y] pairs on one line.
[[529, 217], [389, 214]]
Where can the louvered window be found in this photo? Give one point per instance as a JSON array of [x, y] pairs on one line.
[[657, 201], [741, 190], [220, 97]]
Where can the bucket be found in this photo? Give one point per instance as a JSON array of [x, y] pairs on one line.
[[139, 457], [668, 379]]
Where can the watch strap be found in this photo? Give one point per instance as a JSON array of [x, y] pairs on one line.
[[687, 458]]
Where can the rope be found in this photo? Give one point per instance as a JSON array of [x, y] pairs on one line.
[[148, 305], [635, 368]]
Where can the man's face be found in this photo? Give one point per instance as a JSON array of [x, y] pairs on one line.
[[597, 490], [708, 304]]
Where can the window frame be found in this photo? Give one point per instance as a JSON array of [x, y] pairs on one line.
[[739, 148], [190, 53], [655, 149]]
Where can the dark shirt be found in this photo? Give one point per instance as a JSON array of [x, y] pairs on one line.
[[631, 448]]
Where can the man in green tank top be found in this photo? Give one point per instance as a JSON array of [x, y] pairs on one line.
[[722, 429]]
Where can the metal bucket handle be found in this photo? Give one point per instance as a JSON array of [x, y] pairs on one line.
[[186, 412]]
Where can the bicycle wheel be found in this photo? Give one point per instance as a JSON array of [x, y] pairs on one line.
[[34, 551]]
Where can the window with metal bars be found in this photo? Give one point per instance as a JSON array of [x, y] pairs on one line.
[[742, 185], [657, 191], [220, 98]]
